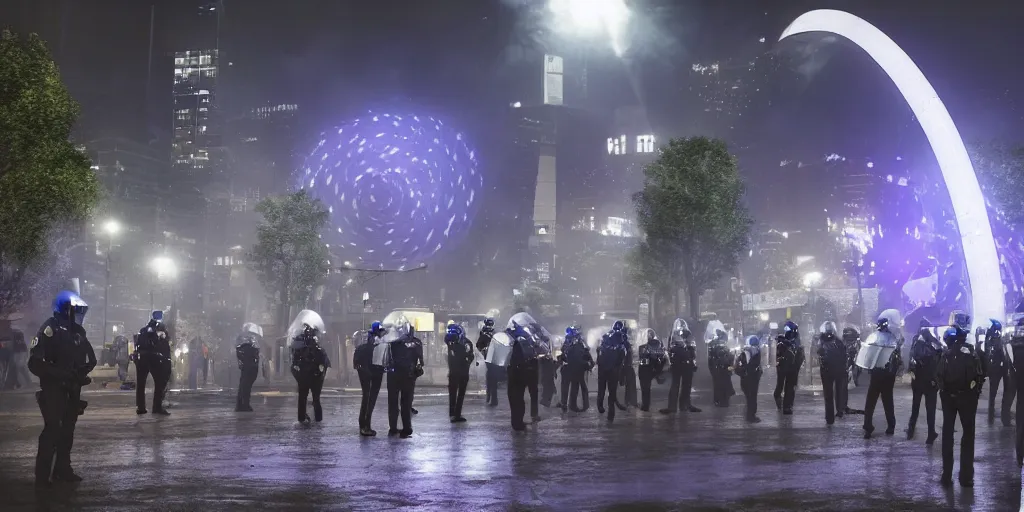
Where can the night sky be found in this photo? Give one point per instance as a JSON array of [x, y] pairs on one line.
[[338, 57]]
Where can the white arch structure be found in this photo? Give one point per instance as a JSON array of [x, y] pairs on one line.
[[961, 181]]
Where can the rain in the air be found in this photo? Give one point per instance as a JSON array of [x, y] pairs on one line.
[[511, 255]]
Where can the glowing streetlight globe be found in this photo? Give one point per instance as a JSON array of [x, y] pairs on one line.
[[112, 227], [587, 18], [164, 267]]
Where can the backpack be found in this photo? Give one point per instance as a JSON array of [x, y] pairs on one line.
[[785, 355], [961, 369], [610, 355], [403, 356], [146, 341], [925, 356]]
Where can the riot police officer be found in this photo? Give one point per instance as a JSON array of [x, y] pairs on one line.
[[62, 357], [925, 352], [247, 351], [851, 338], [611, 359], [460, 360], [998, 371], [682, 355], [832, 360], [523, 370], [493, 375], [370, 376], [882, 357], [960, 376], [152, 357], [577, 362], [121, 359], [1015, 357], [748, 368], [652, 363], [627, 378], [789, 357], [405, 365], [309, 361], [720, 361], [547, 366]]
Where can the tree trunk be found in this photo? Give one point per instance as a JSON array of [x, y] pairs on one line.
[[283, 306]]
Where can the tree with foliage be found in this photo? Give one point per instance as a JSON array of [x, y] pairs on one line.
[[289, 258], [531, 298], [692, 214], [645, 269], [45, 181]]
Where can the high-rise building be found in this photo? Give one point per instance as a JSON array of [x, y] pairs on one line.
[[263, 147], [197, 144]]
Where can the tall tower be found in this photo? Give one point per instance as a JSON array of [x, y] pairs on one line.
[[197, 127]]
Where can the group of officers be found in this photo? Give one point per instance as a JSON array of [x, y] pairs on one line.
[[952, 369]]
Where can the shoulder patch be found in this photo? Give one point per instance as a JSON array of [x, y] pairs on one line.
[[35, 341], [965, 350], [47, 331]]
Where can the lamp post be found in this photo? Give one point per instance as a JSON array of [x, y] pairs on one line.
[[164, 268], [811, 280], [111, 228]]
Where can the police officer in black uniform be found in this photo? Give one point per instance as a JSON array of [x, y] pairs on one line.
[[960, 376], [883, 378], [493, 375], [832, 360], [652, 359], [748, 368], [998, 371], [370, 376], [247, 351], [1015, 358], [578, 361], [547, 367], [522, 374], [611, 360], [789, 357], [851, 338], [404, 367], [152, 357], [62, 357], [720, 361], [460, 360], [925, 352], [627, 378], [309, 361], [682, 354]]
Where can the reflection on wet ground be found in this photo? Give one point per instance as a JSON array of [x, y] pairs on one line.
[[207, 457]]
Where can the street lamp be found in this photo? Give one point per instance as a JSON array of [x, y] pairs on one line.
[[165, 269], [590, 18], [811, 279], [111, 227]]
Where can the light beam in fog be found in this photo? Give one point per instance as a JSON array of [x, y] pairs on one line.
[[957, 172]]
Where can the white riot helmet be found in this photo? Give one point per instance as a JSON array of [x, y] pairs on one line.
[[306, 321], [829, 327], [681, 332], [715, 331], [252, 328]]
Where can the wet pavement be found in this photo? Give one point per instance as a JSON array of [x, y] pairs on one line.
[[207, 457]]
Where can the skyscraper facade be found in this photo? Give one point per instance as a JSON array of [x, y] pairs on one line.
[[197, 134]]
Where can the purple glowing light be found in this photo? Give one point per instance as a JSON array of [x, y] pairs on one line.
[[398, 187], [978, 244]]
